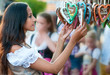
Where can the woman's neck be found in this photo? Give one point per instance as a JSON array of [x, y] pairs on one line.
[[25, 31]]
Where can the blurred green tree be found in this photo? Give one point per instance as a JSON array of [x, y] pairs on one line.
[[35, 5]]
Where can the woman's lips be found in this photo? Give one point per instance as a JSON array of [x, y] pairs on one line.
[[33, 25]]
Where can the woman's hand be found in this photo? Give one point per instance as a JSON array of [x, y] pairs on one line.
[[64, 33], [80, 32], [66, 30]]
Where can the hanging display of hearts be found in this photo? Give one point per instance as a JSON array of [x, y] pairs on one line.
[[93, 11]]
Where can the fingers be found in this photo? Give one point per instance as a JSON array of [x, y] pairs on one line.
[[67, 26], [84, 32], [72, 25], [78, 27], [64, 26], [67, 34], [82, 27]]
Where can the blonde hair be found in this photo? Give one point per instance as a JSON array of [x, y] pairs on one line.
[[91, 34]]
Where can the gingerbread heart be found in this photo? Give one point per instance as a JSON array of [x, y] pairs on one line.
[[106, 22], [89, 14], [65, 15], [62, 19], [81, 16], [75, 22], [60, 16], [94, 11], [82, 4], [74, 11], [96, 16], [99, 11]]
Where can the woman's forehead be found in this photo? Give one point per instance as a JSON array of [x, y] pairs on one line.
[[29, 10]]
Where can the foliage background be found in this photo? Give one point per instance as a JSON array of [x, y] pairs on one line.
[[35, 5]]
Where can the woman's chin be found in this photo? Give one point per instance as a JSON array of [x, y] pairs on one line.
[[32, 29]]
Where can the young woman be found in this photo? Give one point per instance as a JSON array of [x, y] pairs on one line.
[[19, 56]]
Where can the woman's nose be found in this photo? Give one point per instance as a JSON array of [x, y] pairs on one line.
[[34, 19]]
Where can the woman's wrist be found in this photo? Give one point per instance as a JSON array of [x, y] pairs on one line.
[[73, 41], [61, 40]]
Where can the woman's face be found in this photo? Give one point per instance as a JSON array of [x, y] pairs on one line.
[[29, 25], [42, 24]]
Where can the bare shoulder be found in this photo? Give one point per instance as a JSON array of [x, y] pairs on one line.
[[14, 48]]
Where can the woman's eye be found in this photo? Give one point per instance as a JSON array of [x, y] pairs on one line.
[[30, 16]]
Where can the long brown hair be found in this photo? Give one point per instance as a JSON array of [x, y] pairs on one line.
[[12, 31]]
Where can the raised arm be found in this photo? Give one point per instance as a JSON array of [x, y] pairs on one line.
[[56, 66], [66, 30], [53, 46]]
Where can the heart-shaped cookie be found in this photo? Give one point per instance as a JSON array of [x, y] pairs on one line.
[[89, 14], [60, 16], [99, 11], [76, 22], [96, 16], [94, 11], [106, 21], [65, 15], [73, 12], [82, 5], [63, 18], [81, 16]]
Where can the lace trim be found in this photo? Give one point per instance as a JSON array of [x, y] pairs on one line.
[[29, 59]]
